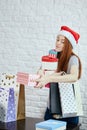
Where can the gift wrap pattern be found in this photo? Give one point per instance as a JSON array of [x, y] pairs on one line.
[[68, 102], [52, 53], [7, 105], [22, 78], [8, 80]]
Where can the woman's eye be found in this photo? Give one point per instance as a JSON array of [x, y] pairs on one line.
[[62, 41]]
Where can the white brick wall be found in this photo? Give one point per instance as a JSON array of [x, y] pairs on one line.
[[28, 29]]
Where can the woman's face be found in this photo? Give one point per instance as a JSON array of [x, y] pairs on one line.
[[59, 43]]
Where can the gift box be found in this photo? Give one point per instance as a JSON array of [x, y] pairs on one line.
[[52, 53], [49, 63], [31, 79], [27, 79], [22, 78], [51, 125]]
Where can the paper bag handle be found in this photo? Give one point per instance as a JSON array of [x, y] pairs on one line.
[[10, 76]]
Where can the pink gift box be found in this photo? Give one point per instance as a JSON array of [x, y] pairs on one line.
[[22, 78], [31, 79]]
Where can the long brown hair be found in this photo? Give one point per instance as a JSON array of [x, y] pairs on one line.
[[64, 57]]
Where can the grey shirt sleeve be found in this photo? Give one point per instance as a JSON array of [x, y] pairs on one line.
[[73, 61]]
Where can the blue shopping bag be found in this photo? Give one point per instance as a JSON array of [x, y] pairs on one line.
[[7, 104]]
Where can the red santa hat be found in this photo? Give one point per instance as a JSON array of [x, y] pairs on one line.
[[71, 35]]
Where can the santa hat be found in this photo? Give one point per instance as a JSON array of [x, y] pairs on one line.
[[71, 35]]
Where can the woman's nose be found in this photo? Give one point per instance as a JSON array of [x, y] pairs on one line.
[[58, 42]]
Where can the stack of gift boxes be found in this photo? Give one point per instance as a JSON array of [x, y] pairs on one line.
[[50, 61], [49, 65]]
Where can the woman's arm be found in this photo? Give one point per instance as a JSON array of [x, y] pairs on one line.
[[72, 77], [56, 77]]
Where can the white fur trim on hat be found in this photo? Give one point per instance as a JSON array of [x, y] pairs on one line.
[[69, 36]]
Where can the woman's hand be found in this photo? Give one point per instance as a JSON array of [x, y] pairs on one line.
[[45, 79], [41, 82], [40, 72]]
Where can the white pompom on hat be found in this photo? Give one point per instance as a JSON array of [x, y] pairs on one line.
[[71, 35]]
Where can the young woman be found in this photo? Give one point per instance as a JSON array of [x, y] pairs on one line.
[[68, 62]]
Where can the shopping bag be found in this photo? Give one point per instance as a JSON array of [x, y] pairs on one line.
[[8, 80], [68, 101], [21, 103], [78, 98], [7, 104]]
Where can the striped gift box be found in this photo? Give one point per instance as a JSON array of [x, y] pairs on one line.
[[27, 79], [22, 78], [52, 53]]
